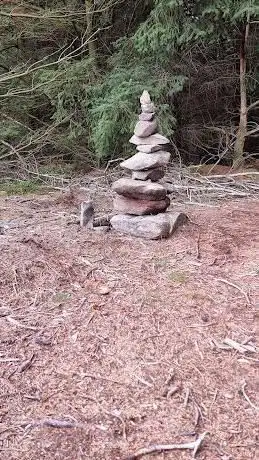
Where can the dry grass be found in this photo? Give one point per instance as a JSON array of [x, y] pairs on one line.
[[99, 330]]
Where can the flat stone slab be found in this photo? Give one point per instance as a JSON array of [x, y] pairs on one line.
[[146, 116], [141, 161], [139, 189], [125, 205], [155, 139], [151, 174], [145, 128], [150, 227]]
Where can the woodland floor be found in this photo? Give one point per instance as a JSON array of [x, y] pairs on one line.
[[92, 327]]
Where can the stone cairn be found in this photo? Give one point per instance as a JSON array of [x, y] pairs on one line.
[[141, 201]]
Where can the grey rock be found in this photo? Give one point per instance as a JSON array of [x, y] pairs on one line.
[[137, 207], [87, 214], [141, 161], [151, 227], [145, 128], [145, 97], [102, 229], [155, 139], [148, 108], [152, 174], [146, 116], [139, 189], [148, 148]]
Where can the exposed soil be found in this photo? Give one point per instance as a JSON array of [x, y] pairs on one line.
[[94, 325]]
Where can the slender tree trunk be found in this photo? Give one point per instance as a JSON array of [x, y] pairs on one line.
[[92, 49], [238, 155]]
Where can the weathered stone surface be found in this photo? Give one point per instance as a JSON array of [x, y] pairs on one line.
[[151, 227], [145, 128], [138, 189], [152, 174], [148, 116], [155, 139], [148, 108], [148, 148], [136, 207], [145, 97], [141, 161]]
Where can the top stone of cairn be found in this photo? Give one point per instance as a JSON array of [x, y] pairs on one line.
[[147, 105]]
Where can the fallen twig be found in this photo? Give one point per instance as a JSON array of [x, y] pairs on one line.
[[247, 397], [99, 377], [18, 324], [194, 446], [186, 398], [241, 347], [236, 287], [26, 364]]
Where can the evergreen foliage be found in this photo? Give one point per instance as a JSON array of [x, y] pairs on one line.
[[80, 100]]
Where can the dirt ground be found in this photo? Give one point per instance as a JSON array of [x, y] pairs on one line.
[[120, 339]]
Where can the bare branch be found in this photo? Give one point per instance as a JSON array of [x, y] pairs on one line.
[[253, 105], [36, 67], [65, 15], [194, 446]]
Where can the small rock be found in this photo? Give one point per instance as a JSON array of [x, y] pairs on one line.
[[102, 229], [150, 227], [148, 148], [138, 189], [141, 161], [152, 174], [145, 128], [139, 207], [104, 290], [154, 139], [146, 116]]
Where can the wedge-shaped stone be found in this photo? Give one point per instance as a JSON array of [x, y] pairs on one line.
[[152, 174], [155, 139], [145, 97], [145, 128], [148, 148], [136, 207], [150, 227], [138, 189], [141, 161]]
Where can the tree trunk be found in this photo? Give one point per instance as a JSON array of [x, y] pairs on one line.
[[238, 155], [89, 6]]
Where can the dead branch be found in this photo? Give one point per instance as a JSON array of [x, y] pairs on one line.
[[26, 364], [34, 67], [64, 16], [186, 398], [247, 397], [236, 287], [18, 324], [194, 446], [242, 348]]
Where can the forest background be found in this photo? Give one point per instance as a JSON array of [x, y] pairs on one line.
[[71, 73]]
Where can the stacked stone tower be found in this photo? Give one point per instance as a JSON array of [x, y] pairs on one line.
[[140, 200]]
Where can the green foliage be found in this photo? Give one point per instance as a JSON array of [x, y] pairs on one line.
[[20, 187], [86, 108]]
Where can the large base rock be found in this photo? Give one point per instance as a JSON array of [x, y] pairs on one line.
[[150, 227], [139, 189], [125, 205]]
